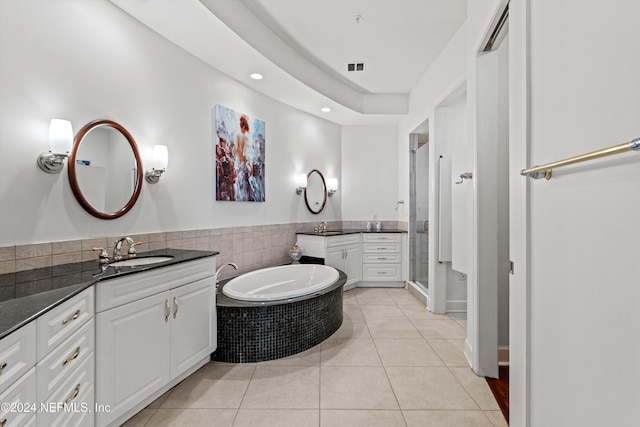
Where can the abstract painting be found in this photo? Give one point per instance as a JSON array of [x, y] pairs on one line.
[[239, 150]]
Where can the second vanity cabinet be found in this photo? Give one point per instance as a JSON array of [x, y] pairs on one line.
[[368, 259], [341, 252], [154, 329]]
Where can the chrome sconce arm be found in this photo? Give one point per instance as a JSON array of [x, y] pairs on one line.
[[152, 176]]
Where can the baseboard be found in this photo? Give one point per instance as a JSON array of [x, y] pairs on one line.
[[379, 284], [456, 306], [503, 356]]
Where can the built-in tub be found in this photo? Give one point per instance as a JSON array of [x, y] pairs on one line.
[[280, 283], [254, 331]]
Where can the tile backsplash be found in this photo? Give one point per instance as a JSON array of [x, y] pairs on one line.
[[251, 247]]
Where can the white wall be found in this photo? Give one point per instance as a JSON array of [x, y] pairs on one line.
[[444, 79], [584, 234], [85, 60], [370, 173]]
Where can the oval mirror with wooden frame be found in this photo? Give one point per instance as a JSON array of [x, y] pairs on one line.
[[105, 170], [315, 195]]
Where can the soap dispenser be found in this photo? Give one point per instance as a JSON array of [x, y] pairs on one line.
[[378, 226]]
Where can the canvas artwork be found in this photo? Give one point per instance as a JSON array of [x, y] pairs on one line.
[[239, 152]]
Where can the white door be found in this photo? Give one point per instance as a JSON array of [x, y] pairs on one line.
[[132, 358], [193, 324], [352, 263], [575, 316]]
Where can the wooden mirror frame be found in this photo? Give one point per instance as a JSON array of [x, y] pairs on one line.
[[73, 178], [324, 200]]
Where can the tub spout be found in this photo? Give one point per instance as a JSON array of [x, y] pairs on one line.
[[232, 264]]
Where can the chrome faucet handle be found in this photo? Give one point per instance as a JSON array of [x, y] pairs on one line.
[[103, 257], [132, 249]]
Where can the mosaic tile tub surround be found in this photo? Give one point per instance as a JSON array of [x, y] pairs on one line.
[[259, 331]]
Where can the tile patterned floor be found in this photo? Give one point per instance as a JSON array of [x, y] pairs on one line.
[[392, 363]]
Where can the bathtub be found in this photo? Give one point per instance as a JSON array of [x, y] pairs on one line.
[[281, 283], [277, 312]]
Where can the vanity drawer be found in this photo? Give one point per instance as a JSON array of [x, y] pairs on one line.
[[17, 354], [382, 237], [381, 247], [346, 239], [381, 272], [58, 324], [381, 258], [19, 400], [76, 392], [57, 366], [133, 287]]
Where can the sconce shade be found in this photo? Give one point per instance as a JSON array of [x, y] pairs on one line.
[[301, 180], [160, 157], [60, 136], [332, 184], [301, 183]]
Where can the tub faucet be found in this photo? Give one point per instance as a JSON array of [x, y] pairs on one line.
[[232, 264], [117, 249]]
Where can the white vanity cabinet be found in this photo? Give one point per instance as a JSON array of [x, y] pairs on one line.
[[47, 367], [65, 370], [153, 330], [368, 259], [17, 375], [341, 252], [383, 260]]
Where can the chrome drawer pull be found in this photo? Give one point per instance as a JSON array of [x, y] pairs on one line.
[[2, 366], [74, 395], [72, 318], [73, 357], [175, 303]]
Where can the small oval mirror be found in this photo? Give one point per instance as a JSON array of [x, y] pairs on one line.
[[105, 170], [315, 195]]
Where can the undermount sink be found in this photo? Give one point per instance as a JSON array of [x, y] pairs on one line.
[[329, 233], [136, 262]]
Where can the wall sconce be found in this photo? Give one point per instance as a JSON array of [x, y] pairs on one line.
[[60, 143], [160, 161], [332, 186], [301, 182]]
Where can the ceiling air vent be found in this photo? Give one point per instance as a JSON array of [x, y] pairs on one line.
[[355, 66]]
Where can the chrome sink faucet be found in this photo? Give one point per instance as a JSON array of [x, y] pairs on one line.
[[323, 227], [117, 249]]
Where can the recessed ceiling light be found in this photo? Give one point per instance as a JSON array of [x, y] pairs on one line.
[[325, 109], [256, 76]]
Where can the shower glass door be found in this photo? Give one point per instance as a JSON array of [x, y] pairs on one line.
[[419, 211]]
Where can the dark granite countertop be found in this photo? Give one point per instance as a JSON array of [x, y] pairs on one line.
[[26, 295], [330, 233]]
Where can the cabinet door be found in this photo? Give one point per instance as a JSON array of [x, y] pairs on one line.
[[132, 354], [352, 263], [193, 324], [335, 258]]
